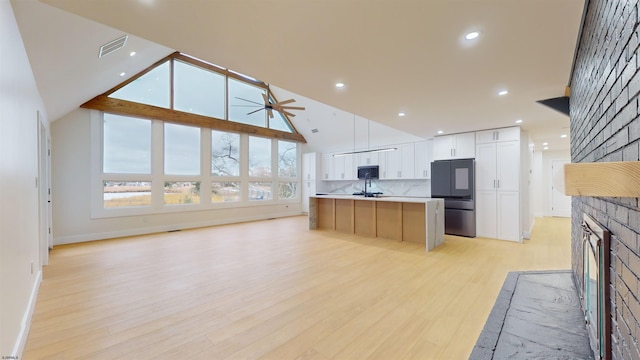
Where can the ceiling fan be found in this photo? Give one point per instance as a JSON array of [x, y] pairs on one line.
[[280, 106]]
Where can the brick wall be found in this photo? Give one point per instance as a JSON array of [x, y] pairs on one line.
[[605, 127]]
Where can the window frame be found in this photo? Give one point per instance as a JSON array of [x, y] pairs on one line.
[[158, 178]]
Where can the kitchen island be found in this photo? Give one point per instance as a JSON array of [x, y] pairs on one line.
[[411, 219]]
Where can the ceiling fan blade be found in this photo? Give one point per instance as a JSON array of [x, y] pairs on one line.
[[293, 107], [266, 99], [270, 113], [249, 101], [251, 106], [284, 102], [288, 113], [254, 111]]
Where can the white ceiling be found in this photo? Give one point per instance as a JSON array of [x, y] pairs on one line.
[[393, 55]]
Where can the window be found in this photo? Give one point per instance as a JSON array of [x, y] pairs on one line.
[[181, 192], [278, 122], [225, 153], [181, 150], [288, 190], [198, 91], [117, 194], [246, 104], [126, 145], [259, 157], [260, 190], [152, 88], [225, 191], [287, 159]]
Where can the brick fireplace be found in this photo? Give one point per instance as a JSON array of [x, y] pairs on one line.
[[605, 127]]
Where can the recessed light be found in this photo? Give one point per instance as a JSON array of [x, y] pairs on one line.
[[545, 148], [545, 144], [503, 92], [340, 85], [440, 132], [519, 121], [122, 74], [563, 136], [401, 114], [132, 53], [472, 35]]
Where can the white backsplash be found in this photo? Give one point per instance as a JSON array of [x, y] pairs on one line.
[[414, 188]]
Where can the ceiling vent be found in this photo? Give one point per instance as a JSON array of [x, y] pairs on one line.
[[112, 46]]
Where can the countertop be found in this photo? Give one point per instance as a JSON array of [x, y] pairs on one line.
[[381, 198]]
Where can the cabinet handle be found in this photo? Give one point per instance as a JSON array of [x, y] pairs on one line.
[[494, 183], [497, 135], [498, 183]]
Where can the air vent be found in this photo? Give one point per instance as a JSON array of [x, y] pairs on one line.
[[314, 130], [112, 46]]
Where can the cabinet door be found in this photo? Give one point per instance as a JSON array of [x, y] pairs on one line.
[[421, 162], [391, 166], [509, 215], [465, 146], [443, 147], [485, 136], [508, 134], [337, 167], [326, 166], [350, 169], [486, 167], [308, 166], [407, 168], [308, 189], [486, 210], [368, 158], [508, 165]]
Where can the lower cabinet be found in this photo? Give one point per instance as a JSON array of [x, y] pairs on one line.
[[308, 189], [498, 214]]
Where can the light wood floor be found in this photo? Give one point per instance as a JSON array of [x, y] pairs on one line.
[[275, 290]]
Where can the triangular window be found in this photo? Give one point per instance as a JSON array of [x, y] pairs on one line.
[[186, 90]]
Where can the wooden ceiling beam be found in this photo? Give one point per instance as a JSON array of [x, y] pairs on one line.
[[129, 108]]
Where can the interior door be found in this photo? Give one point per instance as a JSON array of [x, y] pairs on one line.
[[560, 203]]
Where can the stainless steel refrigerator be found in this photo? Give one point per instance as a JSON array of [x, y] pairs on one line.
[[453, 181]]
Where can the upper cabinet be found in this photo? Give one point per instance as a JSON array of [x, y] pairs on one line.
[[338, 167], [423, 157], [457, 146], [368, 158], [399, 163], [498, 135]]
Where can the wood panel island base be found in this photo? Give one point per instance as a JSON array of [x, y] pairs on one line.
[[416, 220]]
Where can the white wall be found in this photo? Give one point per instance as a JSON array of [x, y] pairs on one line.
[[71, 184], [19, 104], [541, 181]]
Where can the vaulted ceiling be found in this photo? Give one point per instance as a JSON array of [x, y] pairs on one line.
[[393, 56]]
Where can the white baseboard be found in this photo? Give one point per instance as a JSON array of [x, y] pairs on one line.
[[25, 325], [60, 240]]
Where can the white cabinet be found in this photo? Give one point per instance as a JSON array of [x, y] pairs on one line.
[[337, 167], [423, 158], [458, 146], [368, 158], [399, 163], [497, 190], [308, 189], [326, 166], [310, 166], [497, 135]]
